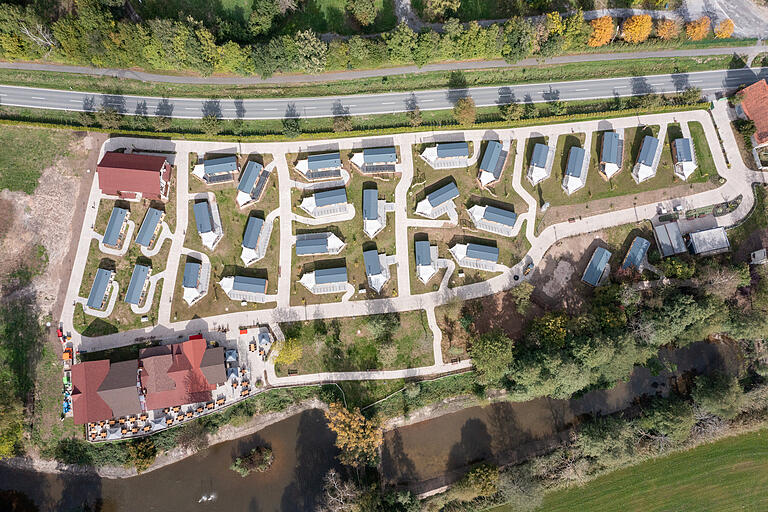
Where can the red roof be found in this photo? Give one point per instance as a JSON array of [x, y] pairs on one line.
[[87, 405], [122, 174], [755, 105], [172, 376]]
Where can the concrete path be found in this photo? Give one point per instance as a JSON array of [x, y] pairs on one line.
[[437, 336], [143, 310], [165, 233], [330, 219]]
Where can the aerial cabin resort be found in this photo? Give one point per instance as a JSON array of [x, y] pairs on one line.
[[138, 286], [493, 219], [326, 203], [133, 176], [99, 295], [476, 256], [253, 181], [426, 260], [323, 166], [318, 244], [611, 154], [325, 280], [373, 161], [244, 288], [576, 170], [216, 170], [540, 167], [597, 269], [683, 158], [645, 168], [376, 269], [447, 155], [150, 228], [492, 164], [114, 235], [438, 202]]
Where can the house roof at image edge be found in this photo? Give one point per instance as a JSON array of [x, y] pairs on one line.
[[755, 105], [135, 287], [252, 232]]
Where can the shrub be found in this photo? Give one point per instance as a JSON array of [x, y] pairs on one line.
[[259, 459], [724, 29], [602, 31], [698, 29], [719, 394], [667, 29], [637, 28], [364, 11], [465, 112]]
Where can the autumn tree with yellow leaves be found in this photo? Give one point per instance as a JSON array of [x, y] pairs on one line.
[[602, 31], [637, 28], [667, 29], [698, 29], [724, 29], [357, 437]]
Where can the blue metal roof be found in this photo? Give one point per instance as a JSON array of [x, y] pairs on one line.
[[324, 161], [370, 204], [147, 229], [249, 176], [99, 288], [372, 263], [329, 197], [575, 166], [224, 164], [252, 232], [540, 154], [445, 193], [683, 150], [138, 278], [331, 275], [191, 274], [610, 153], [491, 156], [500, 216], [483, 252], [596, 266], [115, 224], [648, 150], [452, 149], [312, 243], [423, 256], [380, 155], [250, 284], [636, 252], [202, 212]]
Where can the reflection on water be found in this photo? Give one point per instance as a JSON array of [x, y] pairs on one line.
[[303, 448], [423, 456]]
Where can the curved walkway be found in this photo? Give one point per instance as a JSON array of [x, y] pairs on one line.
[[114, 292], [165, 233], [143, 310], [126, 241]]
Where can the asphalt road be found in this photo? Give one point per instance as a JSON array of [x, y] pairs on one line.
[[709, 81]]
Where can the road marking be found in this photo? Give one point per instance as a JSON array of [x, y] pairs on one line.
[[655, 85], [425, 101], [695, 81], [37, 98], [75, 101], [269, 109], [309, 108], [387, 102], [620, 87], [190, 108], [580, 90]]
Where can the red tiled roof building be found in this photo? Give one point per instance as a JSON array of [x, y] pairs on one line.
[[134, 176], [182, 373], [101, 390], [754, 104]]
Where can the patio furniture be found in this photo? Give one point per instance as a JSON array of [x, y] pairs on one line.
[[134, 430], [169, 421], [209, 405], [147, 428], [121, 420]]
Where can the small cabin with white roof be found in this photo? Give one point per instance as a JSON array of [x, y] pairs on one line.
[[244, 288], [541, 164], [438, 202], [326, 203], [575, 170], [684, 158], [477, 256]]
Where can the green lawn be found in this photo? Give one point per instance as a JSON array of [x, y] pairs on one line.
[[27, 152], [382, 342], [706, 169], [331, 16], [731, 474], [757, 219]]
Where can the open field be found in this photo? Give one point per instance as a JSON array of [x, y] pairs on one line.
[[27, 152], [380, 342], [350, 232], [730, 474]]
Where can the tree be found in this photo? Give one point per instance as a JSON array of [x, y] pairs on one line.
[[637, 28], [437, 9], [518, 37], [605, 439], [312, 52], [339, 495], [401, 43], [667, 29], [690, 96], [142, 453], [550, 330], [698, 29], [109, 118], [602, 31], [465, 112], [342, 123], [364, 11], [291, 127], [724, 29], [521, 296], [424, 51], [718, 394], [667, 421], [211, 124], [262, 14], [414, 116], [492, 354], [358, 438], [161, 123], [259, 459], [288, 351]]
